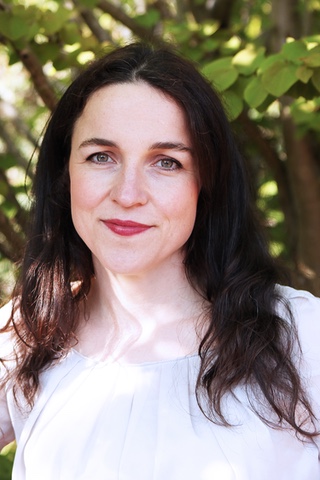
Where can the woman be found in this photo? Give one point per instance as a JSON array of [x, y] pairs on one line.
[[150, 337]]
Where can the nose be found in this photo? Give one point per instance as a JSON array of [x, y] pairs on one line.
[[129, 187]]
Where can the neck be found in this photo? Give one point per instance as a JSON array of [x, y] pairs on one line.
[[146, 297], [144, 315]]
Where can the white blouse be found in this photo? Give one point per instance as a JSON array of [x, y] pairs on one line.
[[109, 421]]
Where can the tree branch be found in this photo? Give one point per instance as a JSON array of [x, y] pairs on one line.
[[118, 14], [15, 241], [163, 8], [280, 175], [34, 67], [16, 120], [3, 6], [11, 147], [287, 21], [220, 10], [91, 21], [21, 215], [304, 179], [6, 252], [39, 79]]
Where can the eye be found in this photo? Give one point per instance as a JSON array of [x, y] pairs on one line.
[[169, 164], [100, 157]]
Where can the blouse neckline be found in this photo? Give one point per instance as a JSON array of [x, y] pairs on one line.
[[151, 363]]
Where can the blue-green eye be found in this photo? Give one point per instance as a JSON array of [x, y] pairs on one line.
[[100, 157], [169, 164]]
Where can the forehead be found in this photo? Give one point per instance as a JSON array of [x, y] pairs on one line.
[[132, 107], [132, 94]]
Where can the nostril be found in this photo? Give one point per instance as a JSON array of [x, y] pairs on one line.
[[128, 191]]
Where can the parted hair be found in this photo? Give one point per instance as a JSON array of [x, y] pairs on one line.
[[226, 257]]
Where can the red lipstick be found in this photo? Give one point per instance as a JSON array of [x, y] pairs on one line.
[[125, 228]]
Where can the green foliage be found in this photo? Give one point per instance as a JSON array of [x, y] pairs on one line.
[[148, 19], [222, 73], [6, 461], [261, 85], [272, 76], [257, 81], [18, 23]]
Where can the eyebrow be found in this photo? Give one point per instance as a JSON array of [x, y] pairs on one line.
[[155, 146], [171, 146], [97, 141]]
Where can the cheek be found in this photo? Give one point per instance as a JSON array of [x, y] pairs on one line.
[[183, 208], [84, 195], [190, 197]]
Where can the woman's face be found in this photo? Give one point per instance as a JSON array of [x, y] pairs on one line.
[[133, 179]]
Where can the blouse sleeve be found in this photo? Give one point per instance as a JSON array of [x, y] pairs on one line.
[[306, 312], [6, 346]]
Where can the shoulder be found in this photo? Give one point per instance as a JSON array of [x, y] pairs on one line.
[[305, 309], [5, 314], [5, 317], [304, 306], [292, 293], [6, 349], [7, 332]]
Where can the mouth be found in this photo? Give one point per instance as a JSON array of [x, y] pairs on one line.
[[126, 228]]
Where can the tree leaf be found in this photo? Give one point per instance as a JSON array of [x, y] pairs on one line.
[[255, 94], [19, 23], [88, 3], [5, 468], [306, 113], [269, 61], [304, 73], [148, 19], [316, 79], [7, 161], [295, 51], [248, 59], [233, 103], [9, 209], [52, 22], [6, 26], [312, 60], [221, 72], [209, 45], [70, 34], [3, 188], [279, 77], [46, 52]]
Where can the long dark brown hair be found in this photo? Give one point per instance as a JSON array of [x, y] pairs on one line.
[[227, 260]]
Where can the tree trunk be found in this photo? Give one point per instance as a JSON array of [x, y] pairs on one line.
[[287, 21], [220, 10], [302, 169], [304, 182]]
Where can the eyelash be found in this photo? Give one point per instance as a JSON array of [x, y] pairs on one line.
[[176, 165], [93, 157]]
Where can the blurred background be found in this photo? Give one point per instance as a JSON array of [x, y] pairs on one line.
[[263, 56]]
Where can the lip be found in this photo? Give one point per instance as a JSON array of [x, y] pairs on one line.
[[125, 228]]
